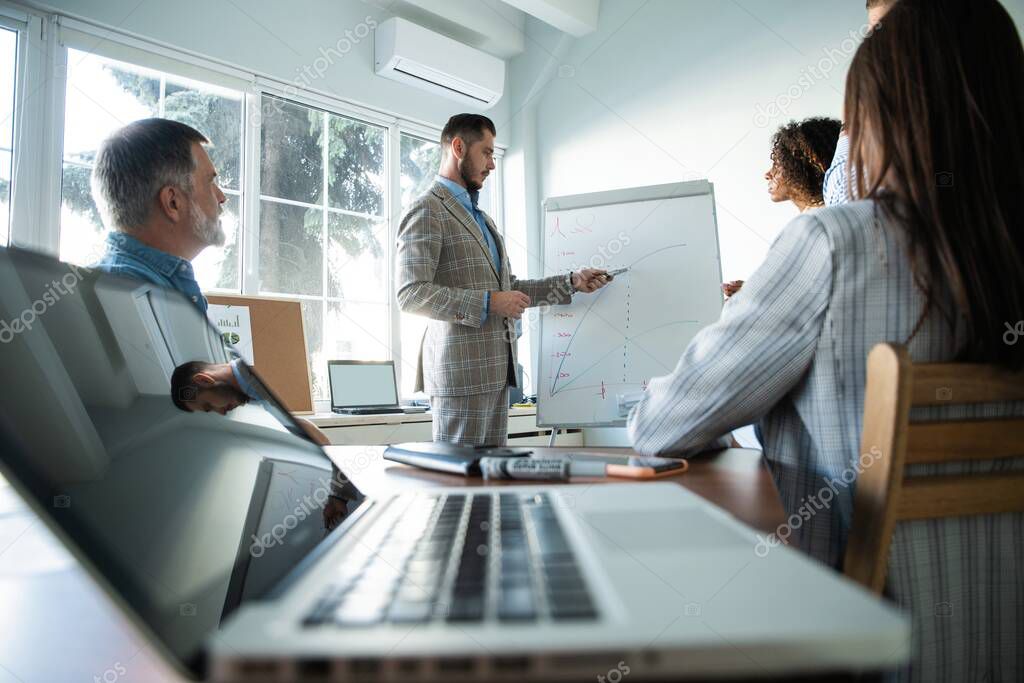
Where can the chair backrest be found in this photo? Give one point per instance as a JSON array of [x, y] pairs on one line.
[[890, 441]]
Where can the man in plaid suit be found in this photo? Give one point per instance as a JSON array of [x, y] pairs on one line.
[[453, 268]]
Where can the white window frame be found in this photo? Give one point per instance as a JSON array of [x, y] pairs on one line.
[[20, 26], [38, 130]]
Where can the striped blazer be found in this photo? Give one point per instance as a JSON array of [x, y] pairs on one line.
[[444, 270], [790, 352]]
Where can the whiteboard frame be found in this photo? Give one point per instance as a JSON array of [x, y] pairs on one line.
[[693, 188]]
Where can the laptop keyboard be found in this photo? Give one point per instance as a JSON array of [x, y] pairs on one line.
[[459, 558]]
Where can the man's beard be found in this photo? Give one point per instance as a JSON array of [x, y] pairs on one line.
[[466, 170], [208, 230]]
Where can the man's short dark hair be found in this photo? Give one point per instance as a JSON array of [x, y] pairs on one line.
[[136, 162], [183, 389], [872, 4], [469, 127]]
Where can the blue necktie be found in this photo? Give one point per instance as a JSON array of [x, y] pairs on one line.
[[474, 197]]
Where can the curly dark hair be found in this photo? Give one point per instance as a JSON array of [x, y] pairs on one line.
[[802, 152]]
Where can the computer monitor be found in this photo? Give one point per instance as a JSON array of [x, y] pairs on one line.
[[362, 384]]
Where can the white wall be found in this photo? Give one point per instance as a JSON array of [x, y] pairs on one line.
[[671, 93], [674, 89], [669, 90], [279, 39]]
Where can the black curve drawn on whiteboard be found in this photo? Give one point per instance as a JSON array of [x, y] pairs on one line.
[[561, 364], [627, 340]]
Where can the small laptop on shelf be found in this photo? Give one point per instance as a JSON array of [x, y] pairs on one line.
[[365, 387]]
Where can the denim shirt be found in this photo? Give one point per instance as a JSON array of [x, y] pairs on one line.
[[128, 257]]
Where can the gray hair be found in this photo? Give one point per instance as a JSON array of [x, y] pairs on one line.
[[135, 163]]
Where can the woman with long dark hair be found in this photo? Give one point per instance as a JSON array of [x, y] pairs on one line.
[[930, 255]]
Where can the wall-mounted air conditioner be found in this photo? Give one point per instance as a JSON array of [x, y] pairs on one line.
[[417, 56]]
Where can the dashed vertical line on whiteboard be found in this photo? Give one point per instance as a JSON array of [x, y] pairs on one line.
[[625, 344]]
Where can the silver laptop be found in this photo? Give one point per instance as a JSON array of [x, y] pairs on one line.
[[365, 387], [242, 553]]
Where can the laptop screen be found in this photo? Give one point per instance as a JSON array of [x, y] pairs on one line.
[[362, 384], [185, 514]]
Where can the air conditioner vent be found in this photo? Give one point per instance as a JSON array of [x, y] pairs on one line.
[[419, 57]]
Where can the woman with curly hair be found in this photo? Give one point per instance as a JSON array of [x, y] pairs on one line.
[[801, 153]]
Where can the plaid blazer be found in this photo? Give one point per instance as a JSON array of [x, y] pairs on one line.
[[791, 352], [444, 270]]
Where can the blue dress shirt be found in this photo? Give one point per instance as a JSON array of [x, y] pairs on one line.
[[469, 202], [128, 257]]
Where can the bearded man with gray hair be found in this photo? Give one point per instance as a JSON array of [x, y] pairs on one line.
[[157, 189]]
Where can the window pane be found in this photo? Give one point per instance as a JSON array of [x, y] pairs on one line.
[[356, 166], [218, 267], [351, 330], [81, 229], [356, 330], [291, 249], [358, 266], [291, 155], [216, 116], [486, 199], [103, 96], [420, 161], [313, 317]]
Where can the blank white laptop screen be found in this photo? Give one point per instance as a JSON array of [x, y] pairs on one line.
[[360, 385]]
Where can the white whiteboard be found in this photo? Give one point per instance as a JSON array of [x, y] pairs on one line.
[[614, 341]]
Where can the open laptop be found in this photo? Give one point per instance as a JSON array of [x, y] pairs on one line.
[[242, 553], [365, 387]]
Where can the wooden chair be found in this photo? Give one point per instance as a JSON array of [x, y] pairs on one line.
[[884, 495]]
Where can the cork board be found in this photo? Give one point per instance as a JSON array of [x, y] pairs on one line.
[[279, 347]]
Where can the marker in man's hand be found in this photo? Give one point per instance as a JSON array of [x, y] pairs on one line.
[[618, 271]]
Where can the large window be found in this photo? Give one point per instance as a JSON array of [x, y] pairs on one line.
[[324, 230], [103, 95], [8, 78], [315, 190]]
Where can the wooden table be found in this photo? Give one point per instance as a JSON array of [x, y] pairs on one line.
[[735, 479], [56, 625]]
